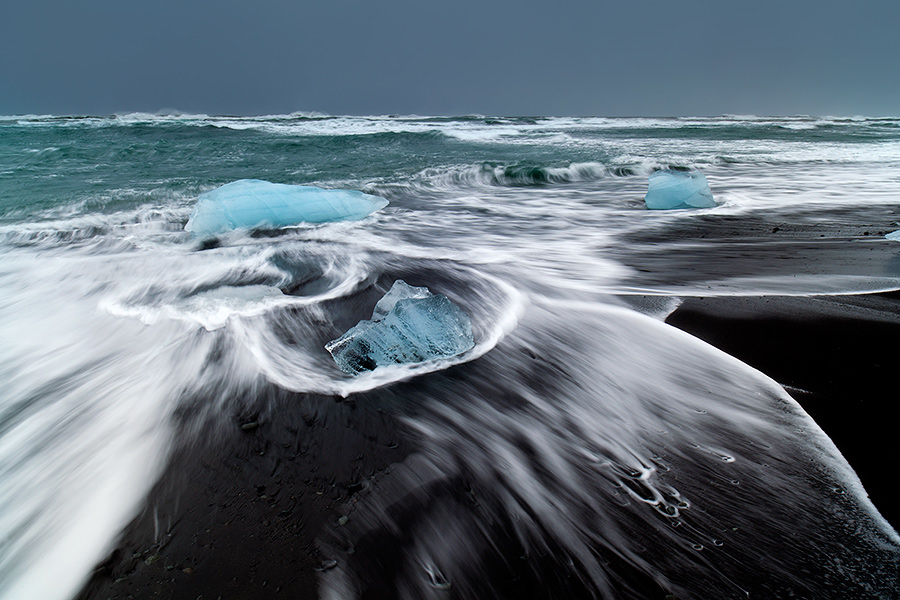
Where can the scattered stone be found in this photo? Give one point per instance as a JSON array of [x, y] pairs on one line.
[[326, 565]]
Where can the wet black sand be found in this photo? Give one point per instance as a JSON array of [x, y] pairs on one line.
[[836, 355], [237, 512], [241, 509]]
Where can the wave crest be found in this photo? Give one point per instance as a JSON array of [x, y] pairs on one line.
[[518, 175]]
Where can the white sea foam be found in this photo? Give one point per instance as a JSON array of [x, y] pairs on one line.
[[617, 429], [775, 285], [494, 308], [85, 430]]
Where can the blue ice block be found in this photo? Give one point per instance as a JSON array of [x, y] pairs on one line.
[[894, 235], [676, 189], [250, 203], [409, 325], [399, 291]]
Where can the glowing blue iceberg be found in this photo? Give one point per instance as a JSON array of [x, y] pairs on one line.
[[409, 325], [250, 203], [894, 235], [676, 189]]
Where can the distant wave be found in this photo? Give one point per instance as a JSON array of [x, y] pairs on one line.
[[569, 132], [517, 175], [527, 175]]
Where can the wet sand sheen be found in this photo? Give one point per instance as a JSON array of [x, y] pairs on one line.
[[836, 355]]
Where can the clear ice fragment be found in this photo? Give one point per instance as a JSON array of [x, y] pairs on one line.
[[676, 189], [409, 325], [249, 203], [894, 235], [399, 291]]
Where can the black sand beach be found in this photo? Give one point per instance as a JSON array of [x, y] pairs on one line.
[[239, 516], [836, 355]]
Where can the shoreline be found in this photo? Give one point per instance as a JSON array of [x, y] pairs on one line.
[[835, 355]]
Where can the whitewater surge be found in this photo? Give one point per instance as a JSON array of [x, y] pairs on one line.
[[582, 446], [602, 453], [84, 419]]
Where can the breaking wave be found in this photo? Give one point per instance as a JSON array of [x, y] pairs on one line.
[[488, 174]]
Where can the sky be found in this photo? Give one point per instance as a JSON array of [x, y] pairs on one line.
[[429, 57]]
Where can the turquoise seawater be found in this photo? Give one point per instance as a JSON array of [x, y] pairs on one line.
[[114, 163]]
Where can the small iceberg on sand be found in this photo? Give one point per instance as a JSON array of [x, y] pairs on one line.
[[894, 236], [409, 325], [250, 203], [676, 189]]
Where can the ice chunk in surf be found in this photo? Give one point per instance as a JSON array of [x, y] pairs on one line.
[[250, 203], [409, 325], [676, 189], [894, 235]]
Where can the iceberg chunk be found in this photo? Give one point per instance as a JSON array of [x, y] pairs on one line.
[[409, 325], [894, 235], [675, 189], [399, 291], [249, 203]]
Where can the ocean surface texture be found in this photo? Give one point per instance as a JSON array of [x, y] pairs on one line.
[[582, 449]]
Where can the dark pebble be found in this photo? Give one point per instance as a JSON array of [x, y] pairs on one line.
[[326, 565]]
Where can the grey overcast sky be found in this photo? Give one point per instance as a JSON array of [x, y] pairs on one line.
[[498, 57]]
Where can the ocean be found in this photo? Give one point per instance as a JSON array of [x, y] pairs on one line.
[[583, 449]]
